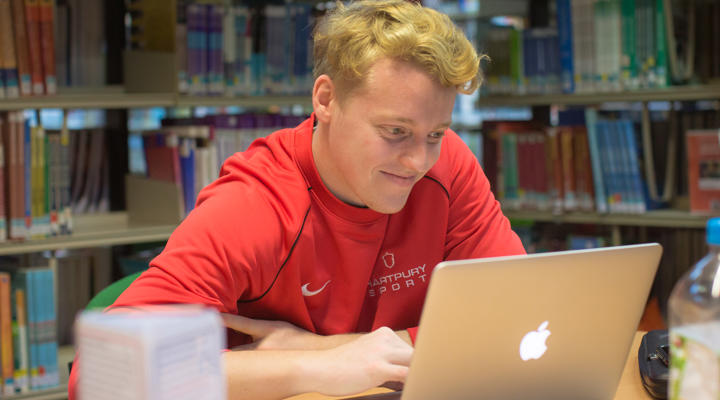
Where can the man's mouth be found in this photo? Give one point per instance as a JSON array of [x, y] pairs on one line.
[[400, 179]]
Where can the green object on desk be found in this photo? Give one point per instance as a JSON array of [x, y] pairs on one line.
[[108, 295]]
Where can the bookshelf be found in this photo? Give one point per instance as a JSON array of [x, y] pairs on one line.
[[115, 97], [659, 218], [672, 93], [56, 393], [94, 230]]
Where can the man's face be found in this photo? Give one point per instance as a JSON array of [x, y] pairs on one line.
[[383, 136]]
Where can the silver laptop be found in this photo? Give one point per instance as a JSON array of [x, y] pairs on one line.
[[542, 326]]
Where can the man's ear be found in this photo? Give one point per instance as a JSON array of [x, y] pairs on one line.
[[323, 96]]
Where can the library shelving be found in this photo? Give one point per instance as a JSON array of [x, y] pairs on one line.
[[657, 218], [671, 93], [115, 97], [91, 230], [56, 393]]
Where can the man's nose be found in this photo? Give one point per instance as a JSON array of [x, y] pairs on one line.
[[415, 156]]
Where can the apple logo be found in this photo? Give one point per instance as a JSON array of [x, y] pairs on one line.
[[532, 345]]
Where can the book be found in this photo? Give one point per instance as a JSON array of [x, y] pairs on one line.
[[6, 344], [7, 47], [47, 44], [4, 204], [32, 25], [20, 342], [703, 158], [21, 47]]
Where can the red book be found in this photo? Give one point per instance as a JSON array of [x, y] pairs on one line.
[[21, 47], [703, 148], [32, 26], [47, 45], [3, 173]]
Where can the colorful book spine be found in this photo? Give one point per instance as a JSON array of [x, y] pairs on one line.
[[564, 22], [628, 61], [65, 207], [243, 51], [662, 75], [6, 344], [601, 205], [27, 150], [32, 25], [4, 171], [21, 47], [47, 44], [20, 336], [181, 47], [7, 47], [215, 14]]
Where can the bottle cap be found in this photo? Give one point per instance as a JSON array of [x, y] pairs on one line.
[[713, 231]]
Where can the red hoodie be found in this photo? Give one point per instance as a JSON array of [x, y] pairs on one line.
[[268, 240]]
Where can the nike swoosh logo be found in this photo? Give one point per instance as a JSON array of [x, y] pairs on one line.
[[308, 293]]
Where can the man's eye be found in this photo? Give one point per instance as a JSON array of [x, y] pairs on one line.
[[437, 135], [396, 131]]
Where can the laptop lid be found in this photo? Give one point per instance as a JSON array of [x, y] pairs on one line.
[[542, 326]]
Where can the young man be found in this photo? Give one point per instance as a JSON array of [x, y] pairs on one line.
[[318, 242]]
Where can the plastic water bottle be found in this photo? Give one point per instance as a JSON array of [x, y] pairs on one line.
[[694, 311]]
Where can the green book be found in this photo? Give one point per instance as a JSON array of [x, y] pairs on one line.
[[628, 62], [661, 62]]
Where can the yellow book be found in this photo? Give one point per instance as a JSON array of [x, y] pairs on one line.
[[20, 336]]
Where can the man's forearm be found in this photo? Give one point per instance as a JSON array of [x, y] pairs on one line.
[[268, 374], [328, 342], [333, 365]]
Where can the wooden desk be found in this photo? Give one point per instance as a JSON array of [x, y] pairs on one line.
[[630, 387]]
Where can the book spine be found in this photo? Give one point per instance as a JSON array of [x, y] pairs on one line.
[[568, 168], [65, 207], [181, 47], [52, 377], [601, 205], [637, 181], [22, 381], [564, 21], [32, 25], [6, 344], [661, 59], [628, 60], [7, 47], [21, 47], [229, 50], [28, 182], [4, 202], [47, 45]]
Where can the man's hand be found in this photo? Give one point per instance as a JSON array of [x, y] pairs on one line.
[[373, 359]]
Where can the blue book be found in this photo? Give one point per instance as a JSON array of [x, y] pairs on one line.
[[187, 166], [564, 22], [619, 145], [302, 62], [601, 205], [608, 167], [28, 177], [50, 345]]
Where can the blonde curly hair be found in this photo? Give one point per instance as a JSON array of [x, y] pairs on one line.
[[349, 39]]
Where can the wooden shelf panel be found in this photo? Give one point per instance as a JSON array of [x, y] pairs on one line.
[[108, 97], [247, 101], [56, 393], [93, 230], [114, 97], [659, 218], [675, 93]]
